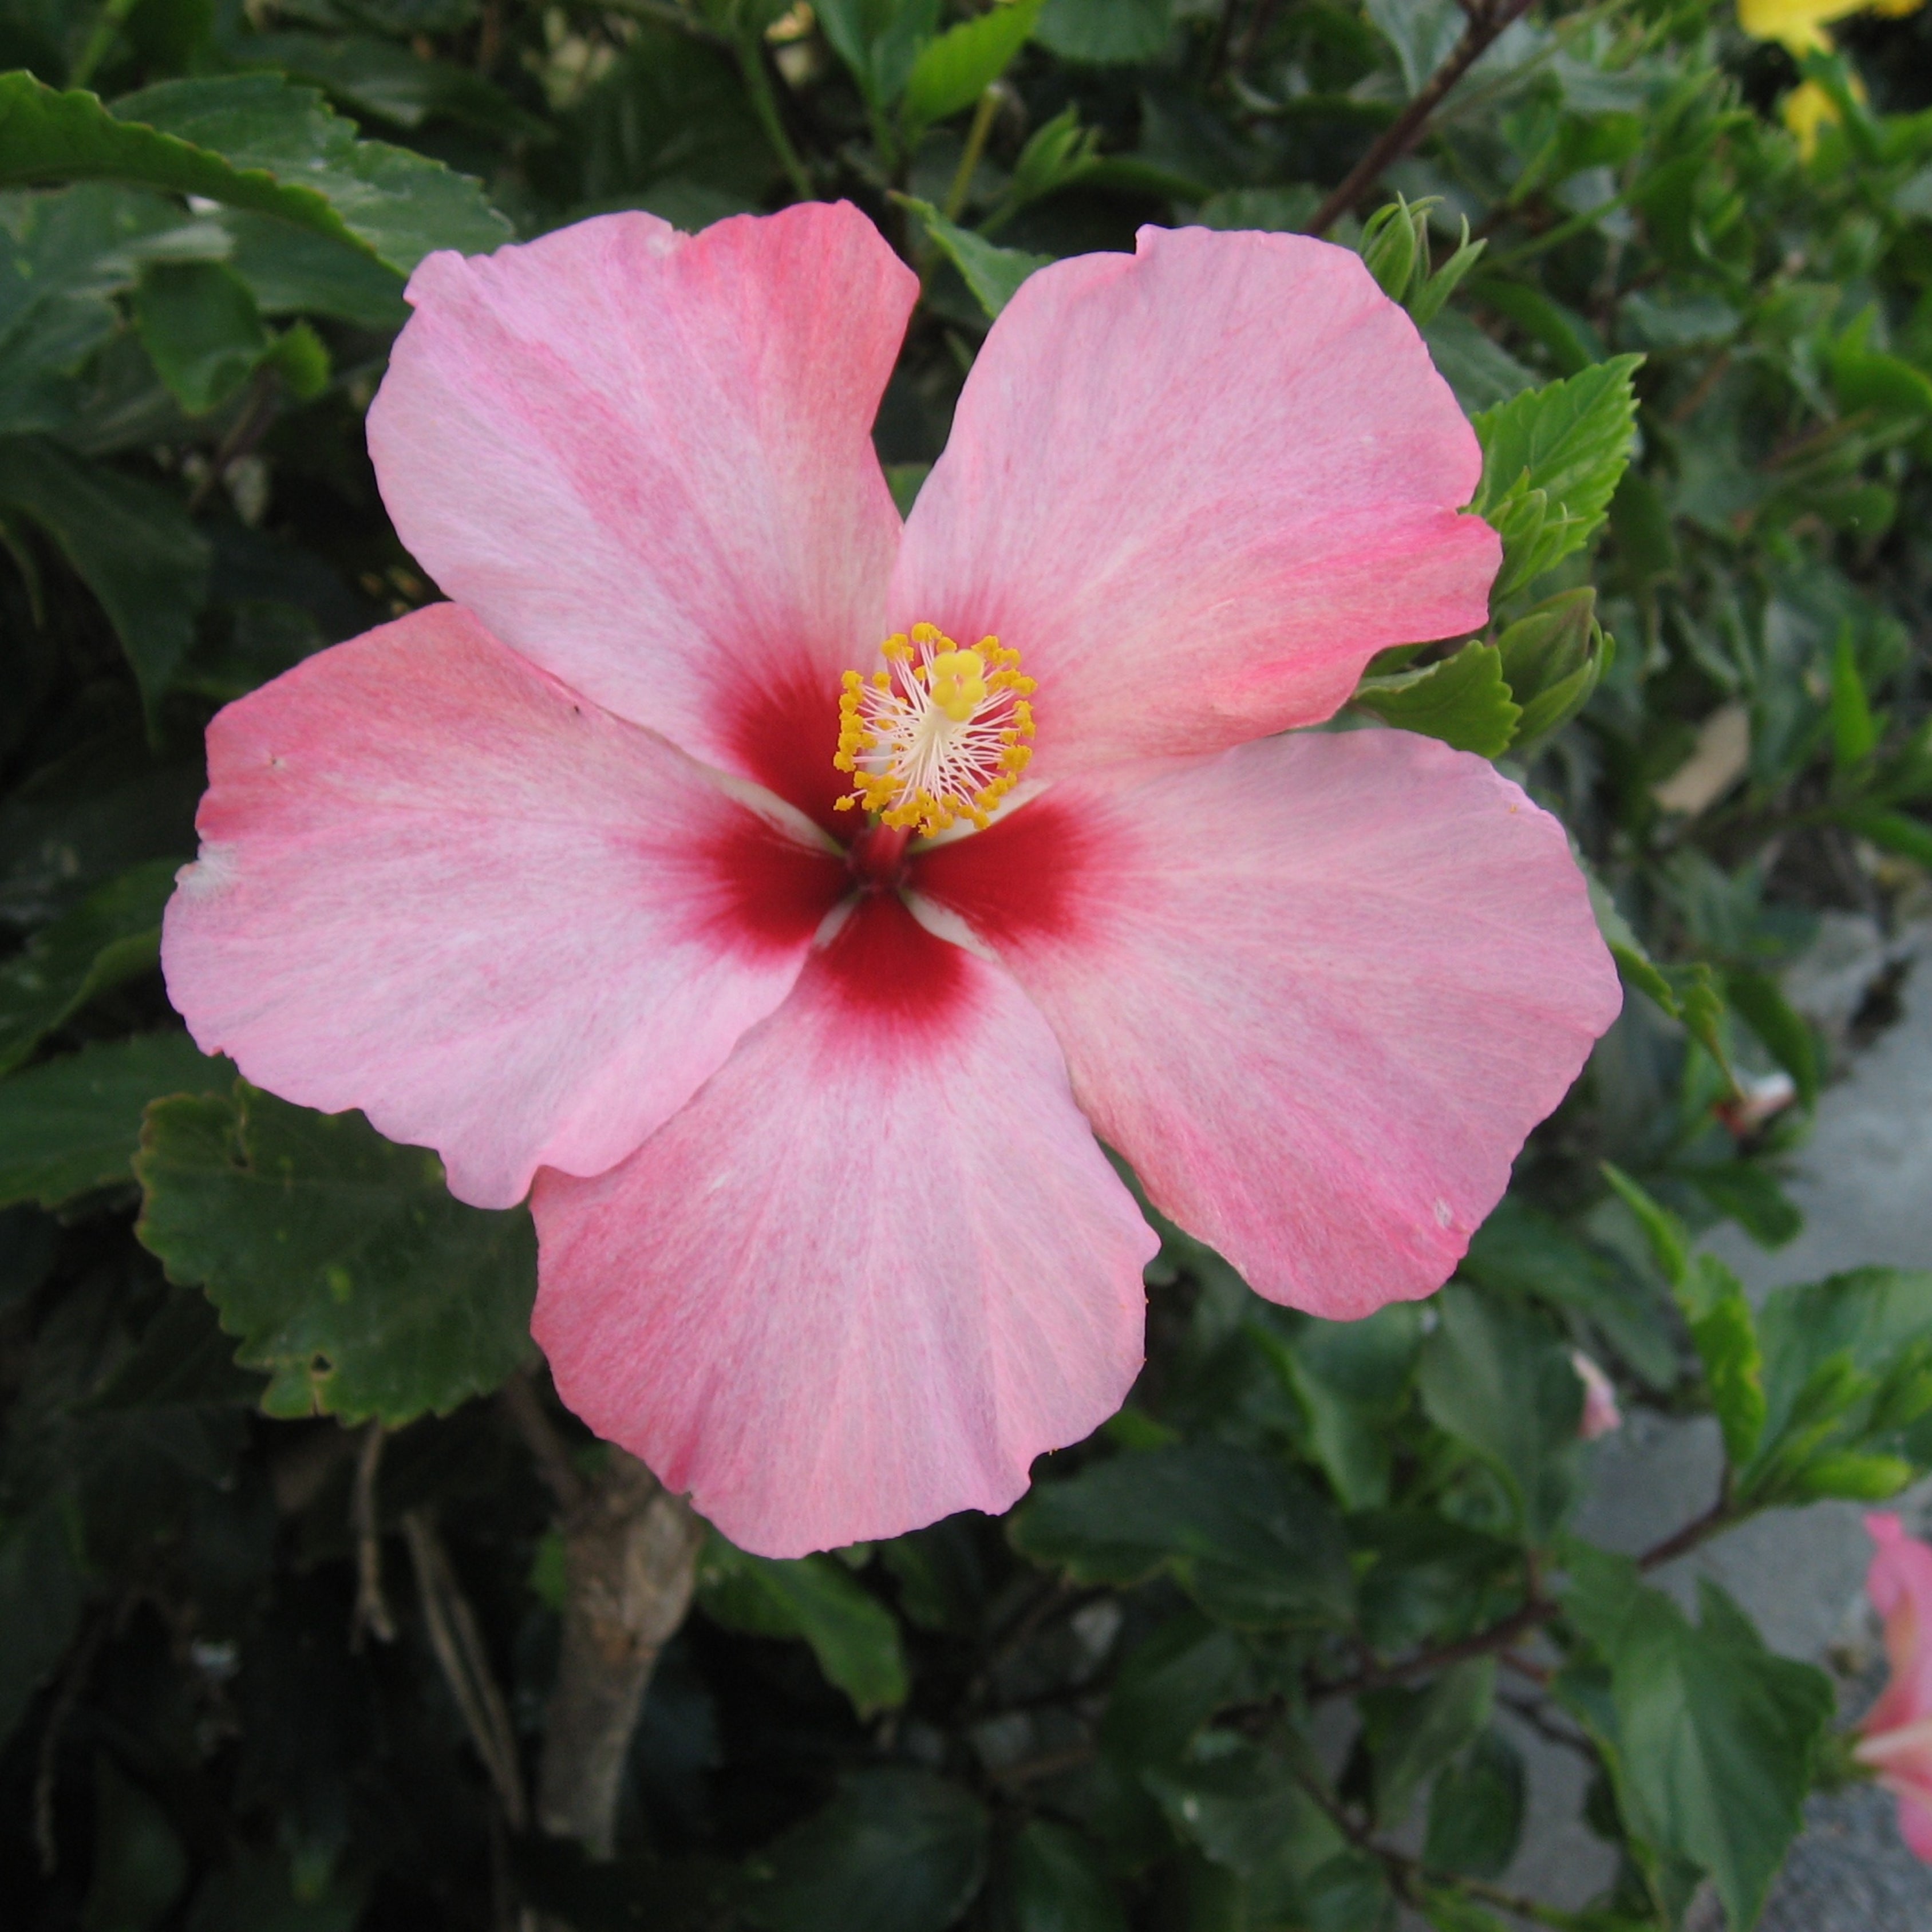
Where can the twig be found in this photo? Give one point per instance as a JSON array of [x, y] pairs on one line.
[[983, 116], [520, 1401], [1259, 22], [1485, 26], [371, 1613], [248, 428], [465, 1665], [79, 1667], [1538, 1611]]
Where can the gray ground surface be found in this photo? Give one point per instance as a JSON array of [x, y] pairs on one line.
[[1865, 1183]]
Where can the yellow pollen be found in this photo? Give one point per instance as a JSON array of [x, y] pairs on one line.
[[939, 736]]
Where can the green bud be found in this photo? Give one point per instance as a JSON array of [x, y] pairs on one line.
[[1849, 1473], [1552, 657], [1390, 243]]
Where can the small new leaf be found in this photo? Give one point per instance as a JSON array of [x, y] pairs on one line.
[[992, 273], [1463, 700], [1568, 443]]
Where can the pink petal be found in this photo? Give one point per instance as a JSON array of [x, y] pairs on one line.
[[1316, 990], [1197, 488], [1914, 1823], [871, 1271], [644, 460], [1899, 1584], [435, 886]]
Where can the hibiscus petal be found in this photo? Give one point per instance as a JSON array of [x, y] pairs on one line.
[[1899, 1585], [1197, 488], [1316, 990], [435, 886], [644, 460], [871, 1271]]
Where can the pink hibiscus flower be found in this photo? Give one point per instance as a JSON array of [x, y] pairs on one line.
[[605, 875], [1896, 1733]]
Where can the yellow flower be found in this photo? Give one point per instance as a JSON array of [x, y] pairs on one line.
[[1808, 107], [1800, 24]]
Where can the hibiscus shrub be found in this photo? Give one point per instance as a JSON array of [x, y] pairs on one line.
[[319, 1608]]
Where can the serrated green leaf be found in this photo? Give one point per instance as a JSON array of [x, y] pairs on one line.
[[132, 544], [1724, 1332], [1463, 700], [1633, 960], [295, 270], [113, 935], [993, 274], [340, 1260], [1243, 1806], [1569, 442], [250, 141], [1496, 1379], [895, 1851], [74, 1124], [199, 325], [1247, 1539], [952, 72], [1352, 1379], [855, 1638], [879, 40]]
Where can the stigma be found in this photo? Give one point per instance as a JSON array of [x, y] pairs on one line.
[[940, 735]]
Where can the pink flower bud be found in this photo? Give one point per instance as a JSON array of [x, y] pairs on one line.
[[1600, 1412]]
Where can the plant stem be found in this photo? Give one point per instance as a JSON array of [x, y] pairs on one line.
[[1538, 1611], [1402, 133], [750, 49], [630, 1562], [113, 15], [976, 145]]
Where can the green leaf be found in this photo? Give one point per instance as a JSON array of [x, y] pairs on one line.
[[1052, 1881], [1246, 1809], [1476, 1810], [1412, 1734], [1352, 1377], [42, 1595], [1670, 1240], [879, 40], [294, 271], [1463, 700], [1854, 734], [993, 274], [905, 480], [1105, 32], [1756, 996], [895, 1851], [199, 325], [1893, 831], [132, 545], [1725, 1334], [1493, 1377], [182, 1361], [251, 141], [63, 258], [340, 1260], [113, 935], [1521, 1250], [1170, 1686], [952, 72], [1748, 1193], [140, 1865], [74, 1125], [1552, 460], [1247, 1539], [855, 1638], [1633, 960], [1553, 657], [1714, 1739]]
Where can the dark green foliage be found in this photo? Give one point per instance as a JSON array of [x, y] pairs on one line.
[[1698, 371]]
